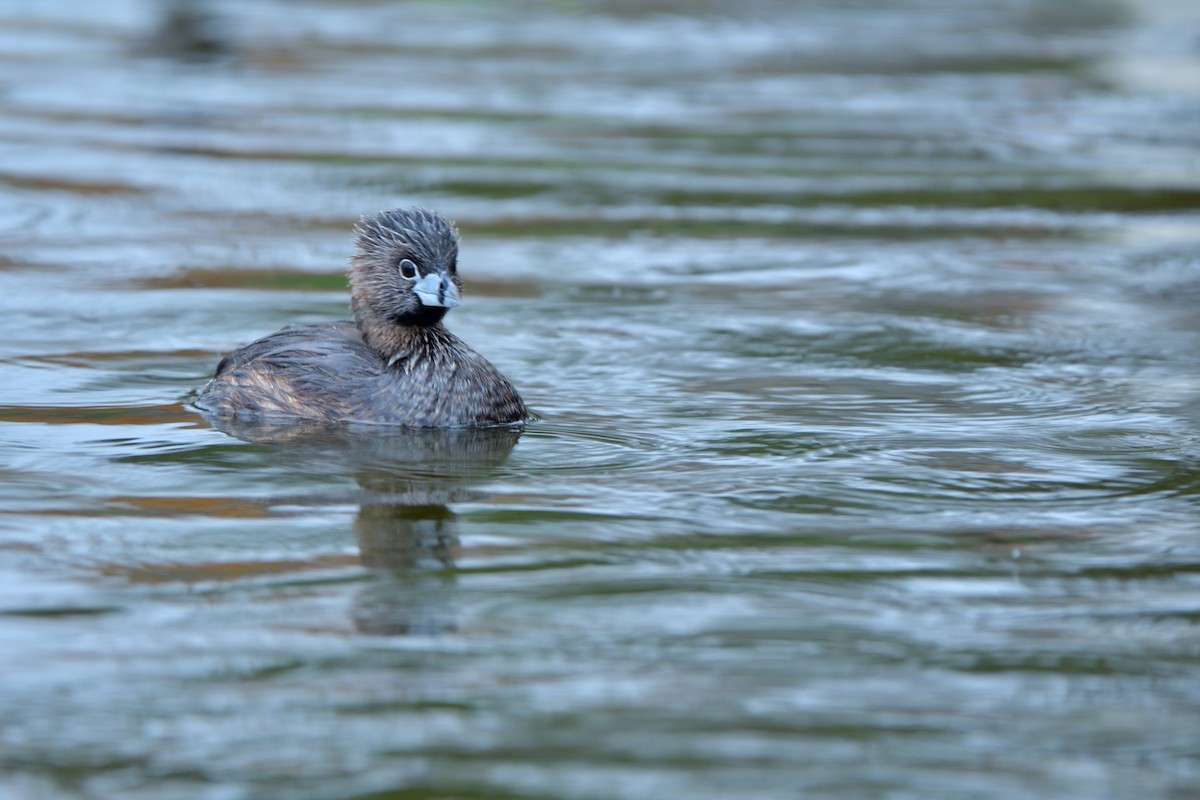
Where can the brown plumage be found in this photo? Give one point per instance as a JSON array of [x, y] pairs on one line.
[[395, 363]]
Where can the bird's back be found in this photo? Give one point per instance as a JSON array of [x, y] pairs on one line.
[[327, 372]]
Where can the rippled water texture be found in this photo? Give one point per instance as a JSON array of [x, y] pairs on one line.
[[865, 341]]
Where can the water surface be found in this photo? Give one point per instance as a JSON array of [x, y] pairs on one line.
[[865, 345]]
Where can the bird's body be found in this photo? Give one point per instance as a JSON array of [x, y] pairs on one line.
[[396, 363]]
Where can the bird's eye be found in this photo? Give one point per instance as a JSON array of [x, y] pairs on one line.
[[408, 269]]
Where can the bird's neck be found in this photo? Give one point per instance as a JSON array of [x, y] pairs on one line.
[[395, 342]]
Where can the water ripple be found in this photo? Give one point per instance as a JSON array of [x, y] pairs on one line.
[[864, 338]]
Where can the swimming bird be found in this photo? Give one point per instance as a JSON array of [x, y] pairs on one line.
[[395, 363]]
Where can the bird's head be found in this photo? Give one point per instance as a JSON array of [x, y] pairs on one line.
[[405, 268]]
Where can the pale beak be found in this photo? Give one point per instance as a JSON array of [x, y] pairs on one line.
[[437, 291]]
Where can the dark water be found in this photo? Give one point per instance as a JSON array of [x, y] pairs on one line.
[[866, 344]]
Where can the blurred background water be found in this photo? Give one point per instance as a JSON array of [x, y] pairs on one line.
[[865, 339]]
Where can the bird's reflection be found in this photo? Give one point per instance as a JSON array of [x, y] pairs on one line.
[[406, 480]]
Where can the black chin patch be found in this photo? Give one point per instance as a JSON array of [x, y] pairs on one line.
[[422, 316]]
